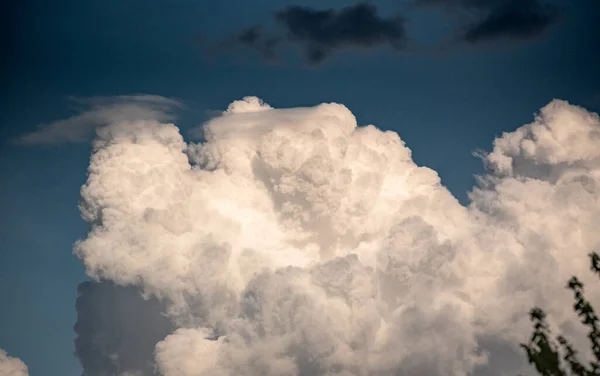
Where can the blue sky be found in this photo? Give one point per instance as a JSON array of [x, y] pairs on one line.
[[444, 102]]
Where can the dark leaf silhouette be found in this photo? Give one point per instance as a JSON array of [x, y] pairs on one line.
[[543, 352]]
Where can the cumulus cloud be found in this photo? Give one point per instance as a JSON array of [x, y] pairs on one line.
[[296, 242], [10, 366], [99, 111], [502, 19], [322, 32]]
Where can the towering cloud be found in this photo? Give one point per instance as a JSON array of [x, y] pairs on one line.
[[10, 366], [295, 242]]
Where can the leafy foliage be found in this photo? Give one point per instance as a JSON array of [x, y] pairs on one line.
[[545, 354]]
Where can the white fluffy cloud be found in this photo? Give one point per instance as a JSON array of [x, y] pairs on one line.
[[295, 242], [10, 366]]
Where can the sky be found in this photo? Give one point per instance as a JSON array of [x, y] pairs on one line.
[[449, 77]]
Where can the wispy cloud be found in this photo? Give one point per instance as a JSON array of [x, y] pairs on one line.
[[98, 111]]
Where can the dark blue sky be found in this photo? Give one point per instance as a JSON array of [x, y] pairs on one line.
[[446, 94]]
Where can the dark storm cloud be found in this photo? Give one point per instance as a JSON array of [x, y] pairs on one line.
[[502, 19], [250, 36], [322, 32], [117, 330], [516, 20], [483, 4], [255, 38]]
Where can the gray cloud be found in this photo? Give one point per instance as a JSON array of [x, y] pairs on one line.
[[524, 19], [501, 19], [250, 36], [255, 38], [322, 32]]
